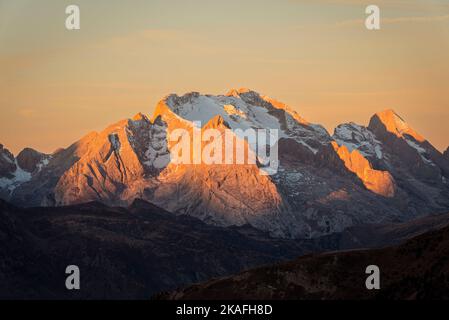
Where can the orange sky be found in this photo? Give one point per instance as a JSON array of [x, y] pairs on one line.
[[57, 85]]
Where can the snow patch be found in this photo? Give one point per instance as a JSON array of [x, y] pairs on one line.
[[360, 138], [245, 114], [43, 163], [421, 151], [7, 159], [115, 142], [20, 176]]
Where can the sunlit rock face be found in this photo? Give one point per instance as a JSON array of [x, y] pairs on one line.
[[394, 124], [380, 182], [413, 150], [419, 171], [322, 184]]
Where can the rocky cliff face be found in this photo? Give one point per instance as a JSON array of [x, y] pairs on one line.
[[31, 160], [411, 149], [7, 163], [390, 144], [11, 174], [379, 182], [381, 173]]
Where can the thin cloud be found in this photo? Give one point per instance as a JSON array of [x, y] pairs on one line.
[[409, 4], [27, 113], [423, 19], [417, 19]]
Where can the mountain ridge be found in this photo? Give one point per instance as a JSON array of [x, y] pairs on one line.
[[140, 250], [123, 253], [384, 172], [414, 270]]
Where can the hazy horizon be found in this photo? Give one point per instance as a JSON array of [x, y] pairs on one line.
[[316, 56]]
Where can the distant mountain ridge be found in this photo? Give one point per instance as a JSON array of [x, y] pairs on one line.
[[417, 269], [123, 253], [141, 250], [382, 173]]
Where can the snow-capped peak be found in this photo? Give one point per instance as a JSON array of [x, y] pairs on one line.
[[243, 109]]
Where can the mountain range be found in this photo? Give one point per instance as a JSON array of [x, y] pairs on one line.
[[381, 173]]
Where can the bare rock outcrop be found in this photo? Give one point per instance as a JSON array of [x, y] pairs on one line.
[[380, 182], [7, 165]]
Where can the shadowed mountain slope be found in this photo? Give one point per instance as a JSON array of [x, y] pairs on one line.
[[126, 253], [416, 269]]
